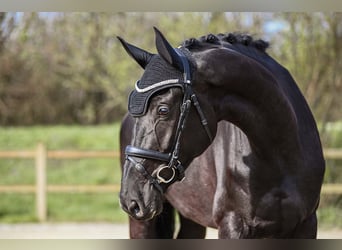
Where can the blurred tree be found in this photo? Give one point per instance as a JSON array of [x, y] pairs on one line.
[[310, 47], [69, 67]]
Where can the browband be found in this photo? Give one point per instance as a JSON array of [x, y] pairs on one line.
[[155, 85]]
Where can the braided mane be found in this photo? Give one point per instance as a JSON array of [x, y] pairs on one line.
[[233, 39]]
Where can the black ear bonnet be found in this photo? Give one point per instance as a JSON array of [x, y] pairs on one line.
[[158, 75]]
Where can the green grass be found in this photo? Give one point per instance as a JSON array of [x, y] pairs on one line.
[[16, 207], [104, 207], [334, 134], [330, 217], [330, 211], [102, 137], [20, 208], [17, 171], [91, 207]]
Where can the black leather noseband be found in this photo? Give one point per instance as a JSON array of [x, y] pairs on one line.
[[173, 164]]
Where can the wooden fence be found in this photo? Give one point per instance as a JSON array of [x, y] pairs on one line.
[[41, 188]]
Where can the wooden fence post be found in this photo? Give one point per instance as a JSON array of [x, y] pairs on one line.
[[41, 157]]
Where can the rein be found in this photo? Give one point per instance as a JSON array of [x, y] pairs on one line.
[[174, 166]]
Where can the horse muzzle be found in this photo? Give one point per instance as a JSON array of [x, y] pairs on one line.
[[139, 211], [140, 200]]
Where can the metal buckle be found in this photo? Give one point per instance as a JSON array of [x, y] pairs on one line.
[[160, 179]]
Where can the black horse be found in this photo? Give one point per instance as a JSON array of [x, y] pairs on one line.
[[163, 225], [263, 174]]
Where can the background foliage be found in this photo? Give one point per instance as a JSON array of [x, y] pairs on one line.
[[69, 67]]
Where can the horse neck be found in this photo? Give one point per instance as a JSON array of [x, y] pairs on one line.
[[247, 94]]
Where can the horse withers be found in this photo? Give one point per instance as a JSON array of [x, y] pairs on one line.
[[263, 179]]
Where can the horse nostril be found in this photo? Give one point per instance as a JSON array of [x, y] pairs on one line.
[[134, 207]]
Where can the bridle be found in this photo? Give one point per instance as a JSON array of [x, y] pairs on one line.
[[172, 158]]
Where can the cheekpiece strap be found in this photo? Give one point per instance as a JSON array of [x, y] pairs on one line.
[[186, 66]]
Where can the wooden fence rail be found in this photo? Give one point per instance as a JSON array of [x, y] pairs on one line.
[[41, 188]]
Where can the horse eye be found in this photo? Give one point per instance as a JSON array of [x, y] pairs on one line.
[[163, 110]]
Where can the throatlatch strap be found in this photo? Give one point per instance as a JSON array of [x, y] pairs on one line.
[[202, 116]]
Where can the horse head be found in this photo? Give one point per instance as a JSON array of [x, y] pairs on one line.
[[174, 123]]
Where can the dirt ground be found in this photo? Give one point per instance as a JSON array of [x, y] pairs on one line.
[[96, 231]]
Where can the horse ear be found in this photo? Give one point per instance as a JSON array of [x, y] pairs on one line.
[[166, 51], [139, 55]]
